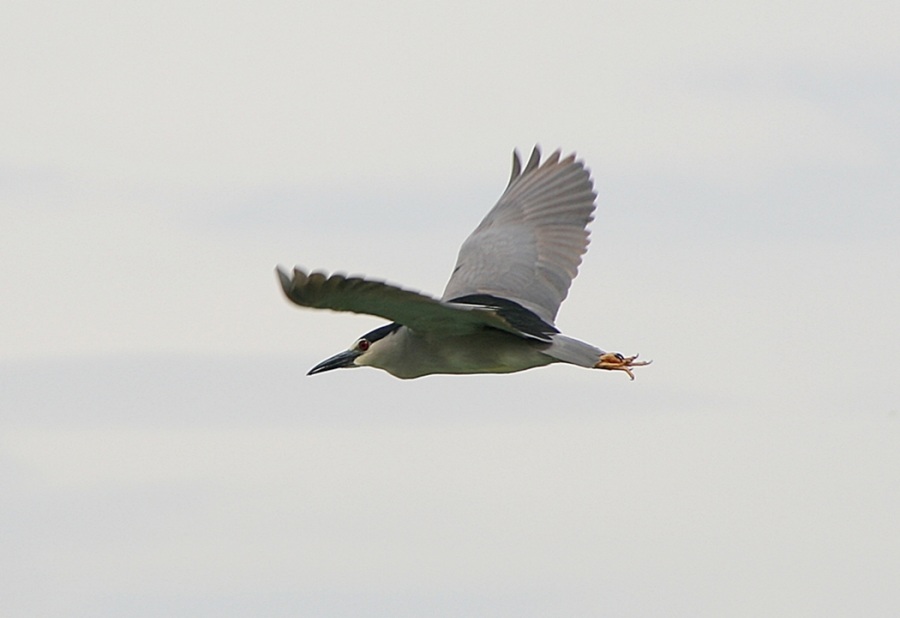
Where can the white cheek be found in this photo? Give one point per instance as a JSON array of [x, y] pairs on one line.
[[375, 354]]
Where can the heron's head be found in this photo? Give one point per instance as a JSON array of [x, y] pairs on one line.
[[363, 346]]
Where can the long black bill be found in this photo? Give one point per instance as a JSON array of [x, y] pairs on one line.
[[338, 361]]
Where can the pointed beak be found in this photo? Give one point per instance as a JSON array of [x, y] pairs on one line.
[[338, 361]]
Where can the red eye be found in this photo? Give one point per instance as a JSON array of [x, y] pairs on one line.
[[363, 345]]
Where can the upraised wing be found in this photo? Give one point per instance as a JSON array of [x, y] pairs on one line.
[[420, 313], [529, 246]]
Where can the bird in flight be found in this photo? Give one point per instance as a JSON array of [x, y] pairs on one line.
[[498, 310]]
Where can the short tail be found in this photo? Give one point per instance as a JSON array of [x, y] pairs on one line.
[[568, 350]]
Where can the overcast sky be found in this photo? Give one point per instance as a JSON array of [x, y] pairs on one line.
[[162, 452]]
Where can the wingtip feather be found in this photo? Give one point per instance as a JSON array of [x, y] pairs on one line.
[[516, 167], [533, 160], [284, 279]]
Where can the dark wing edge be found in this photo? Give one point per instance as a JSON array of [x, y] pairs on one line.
[[416, 311], [522, 319]]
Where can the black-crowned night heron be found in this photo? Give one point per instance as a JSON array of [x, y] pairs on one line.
[[497, 312]]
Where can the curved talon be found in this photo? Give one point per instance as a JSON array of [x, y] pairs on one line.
[[613, 361]]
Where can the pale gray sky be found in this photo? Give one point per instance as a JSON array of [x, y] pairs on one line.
[[162, 452]]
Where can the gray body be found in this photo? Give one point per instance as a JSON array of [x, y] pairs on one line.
[[498, 310], [406, 354]]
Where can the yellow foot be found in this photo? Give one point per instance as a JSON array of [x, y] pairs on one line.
[[616, 362]]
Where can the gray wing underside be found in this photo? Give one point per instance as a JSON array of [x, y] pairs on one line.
[[418, 312], [529, 246]]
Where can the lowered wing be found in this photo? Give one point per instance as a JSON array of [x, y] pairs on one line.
[[420, 313]]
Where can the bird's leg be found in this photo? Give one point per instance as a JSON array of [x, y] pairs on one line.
[[614, 361]]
